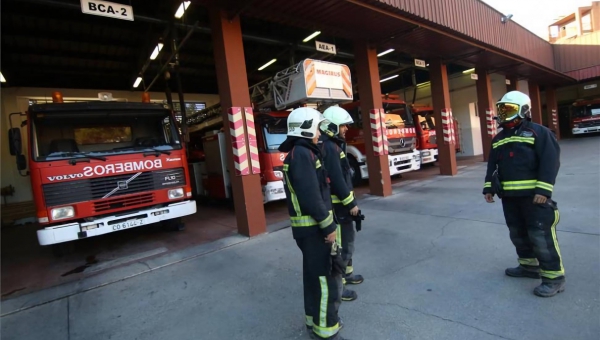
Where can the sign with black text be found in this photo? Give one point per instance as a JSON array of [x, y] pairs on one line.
[[107, 9], [325, 47]]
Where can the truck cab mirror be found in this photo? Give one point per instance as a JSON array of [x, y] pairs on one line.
[[21, 162], [14, 141]]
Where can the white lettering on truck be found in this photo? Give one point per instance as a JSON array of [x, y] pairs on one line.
[[116, 168]]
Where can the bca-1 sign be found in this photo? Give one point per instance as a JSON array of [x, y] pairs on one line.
[[107, 9], [324, 47]]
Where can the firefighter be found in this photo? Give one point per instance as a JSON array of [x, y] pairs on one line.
[[333, 144], [313, 225], [522, 169]]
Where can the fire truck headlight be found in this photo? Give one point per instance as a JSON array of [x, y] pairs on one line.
[[576, 126], [175, 193], [278, 174], [62, 213]]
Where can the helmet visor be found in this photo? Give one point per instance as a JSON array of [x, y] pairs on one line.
[[507, 111]]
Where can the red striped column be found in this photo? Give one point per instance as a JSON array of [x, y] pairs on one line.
[[448, 127], [491, 123], [378, 131], [252, 142], [383, 131], [554, 118], [238, 141]]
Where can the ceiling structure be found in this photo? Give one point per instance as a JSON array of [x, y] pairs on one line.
[[51, 43]]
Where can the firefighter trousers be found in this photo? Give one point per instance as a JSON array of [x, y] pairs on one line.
[[348, 235], [322, 286], [533, 232]]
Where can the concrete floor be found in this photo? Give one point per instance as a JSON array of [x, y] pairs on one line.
[[433, 256]]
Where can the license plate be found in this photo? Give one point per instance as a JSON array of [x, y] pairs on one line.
[[129, 224], [426, 153]]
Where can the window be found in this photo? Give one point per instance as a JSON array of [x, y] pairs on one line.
[[102, 135]]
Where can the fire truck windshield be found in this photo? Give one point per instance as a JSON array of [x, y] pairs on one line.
[[67, 135], [275, 131], [397, 116], [586, 111]]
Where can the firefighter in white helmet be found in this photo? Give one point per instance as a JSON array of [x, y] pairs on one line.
[[522, 169], [333, 147], [313, 224]]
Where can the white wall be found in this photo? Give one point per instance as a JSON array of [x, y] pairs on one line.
[[17, 100], [463, 100]]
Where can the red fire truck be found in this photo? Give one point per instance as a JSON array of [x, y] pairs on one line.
[[425, 128], [308, 83], [585, 116], [100, 167]]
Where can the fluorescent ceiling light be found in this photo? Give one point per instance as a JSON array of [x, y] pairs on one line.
[[471, 70], [311, 36], [388, 78], [184, 5], [137, 82], [2, 78], [386, 52], [157, 49], [267, 65]]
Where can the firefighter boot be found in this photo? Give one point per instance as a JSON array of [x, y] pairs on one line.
[[353, 279], [549, 288], [524, 271], [349, 295]]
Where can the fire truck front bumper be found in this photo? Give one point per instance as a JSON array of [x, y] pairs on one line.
[[429, 156], [591, 129], [273, 191], [108, 224], [405, 162]]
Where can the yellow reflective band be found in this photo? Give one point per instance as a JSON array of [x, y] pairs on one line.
[[519, 185], [324, 299], [514, 139], [327, 222], [487, 185], [343, 281], [545, 186], [549, 273], [342, 155], [294, 198], [303, 221], [346, 201], [338, 235], [326, 332], [309, 321], [529, 262], [286, 167], [335, 199], [318, 164], [349, 269]]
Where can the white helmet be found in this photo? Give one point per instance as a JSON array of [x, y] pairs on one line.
[[337, 116], [304, 122], [513, 105]]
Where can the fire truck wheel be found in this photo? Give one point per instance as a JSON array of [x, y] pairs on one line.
[[174, 224], [357, 178]]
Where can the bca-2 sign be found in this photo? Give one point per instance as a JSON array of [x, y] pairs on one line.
[[107, 9], [324, 47]]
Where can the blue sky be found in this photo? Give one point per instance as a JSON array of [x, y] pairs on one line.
[[537, 15]]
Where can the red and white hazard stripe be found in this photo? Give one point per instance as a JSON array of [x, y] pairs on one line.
[[448, 127], [252, 142], [491, 123], [238, 141], [378, 131], [554, 118]]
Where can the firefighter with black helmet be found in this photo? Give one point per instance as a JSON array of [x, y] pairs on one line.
[[333, 144], [522, 169], [313, 224]]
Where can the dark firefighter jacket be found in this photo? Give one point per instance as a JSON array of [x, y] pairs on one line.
[[527, 157], [306, 189], [338, 170]]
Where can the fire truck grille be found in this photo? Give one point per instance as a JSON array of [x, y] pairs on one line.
[[123, 202], [589, 124], [432, 140], [106, 188], [397, 145]]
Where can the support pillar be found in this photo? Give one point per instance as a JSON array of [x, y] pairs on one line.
[[552, 111], [369, 91], [485, 103], [514, 84], [233, 90], [440, 96], [536, 102]]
